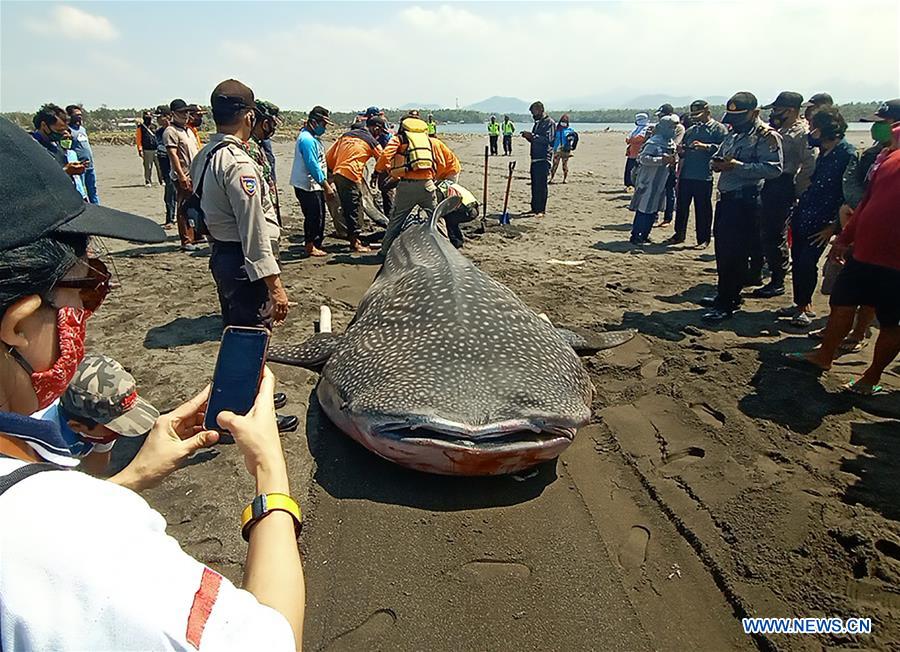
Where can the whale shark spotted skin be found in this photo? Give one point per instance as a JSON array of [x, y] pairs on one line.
[[445, 370]]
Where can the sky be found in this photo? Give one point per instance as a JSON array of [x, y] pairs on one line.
[[347, 56]]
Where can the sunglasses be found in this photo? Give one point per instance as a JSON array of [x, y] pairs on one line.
[[93, 287]]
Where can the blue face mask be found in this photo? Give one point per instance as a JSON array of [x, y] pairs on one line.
[[813, 141], [319, 129]]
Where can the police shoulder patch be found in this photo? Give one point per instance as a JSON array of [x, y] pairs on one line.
[[249, 184]]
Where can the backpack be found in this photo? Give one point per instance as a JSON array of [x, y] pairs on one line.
[[419, 155], [193, 208]]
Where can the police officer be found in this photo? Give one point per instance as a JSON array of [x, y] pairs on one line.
[[260, 147], [779, 195], [749, 155], [240, 218]]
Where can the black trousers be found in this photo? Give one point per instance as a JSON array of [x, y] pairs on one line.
[[805, 272], [165, 168], [540, 174], [350, 195], [777, 199], [630, 165], [493, 140], [312, 204], [736, 225], [507, 143], [699, 192], [670, 195], [243, 302]]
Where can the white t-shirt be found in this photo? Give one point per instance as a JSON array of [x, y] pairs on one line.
[[87, 565]]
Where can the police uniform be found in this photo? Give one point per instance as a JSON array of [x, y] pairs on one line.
[[779, 195], [243, 230], [758, 151]]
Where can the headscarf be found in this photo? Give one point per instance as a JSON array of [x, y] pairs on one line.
[[663, 136], [642, 122]]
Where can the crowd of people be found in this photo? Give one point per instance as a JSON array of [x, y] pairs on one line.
[[786, 190]]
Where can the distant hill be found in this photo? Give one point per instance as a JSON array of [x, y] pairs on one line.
[[652, 101], [499, 104], [414, 105]]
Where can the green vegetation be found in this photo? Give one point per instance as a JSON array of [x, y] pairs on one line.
[[110, 122]]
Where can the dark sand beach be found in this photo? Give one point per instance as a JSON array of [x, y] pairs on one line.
[[714, 482]]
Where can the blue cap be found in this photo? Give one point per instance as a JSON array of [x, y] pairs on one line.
[[372, 110]]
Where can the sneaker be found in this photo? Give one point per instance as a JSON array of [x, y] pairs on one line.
[[709, 302], [803, 319], [190, 247], [702, 245], [148, 185], [279, 399], [717, 315], [768, 291]]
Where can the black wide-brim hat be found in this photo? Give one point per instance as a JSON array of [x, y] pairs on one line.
[[37, 197]]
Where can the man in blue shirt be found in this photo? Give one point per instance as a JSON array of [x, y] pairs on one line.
[[49, 131], [82, 148], [695, 182], [309, 178]]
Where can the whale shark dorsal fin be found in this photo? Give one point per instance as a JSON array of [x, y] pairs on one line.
[[447, 206]]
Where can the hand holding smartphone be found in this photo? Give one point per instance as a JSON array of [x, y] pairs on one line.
[[239, 369]]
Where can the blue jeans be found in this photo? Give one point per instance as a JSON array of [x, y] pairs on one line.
[[90, 184], [643, 222]]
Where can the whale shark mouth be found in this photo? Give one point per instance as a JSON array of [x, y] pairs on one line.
[[507, 436]]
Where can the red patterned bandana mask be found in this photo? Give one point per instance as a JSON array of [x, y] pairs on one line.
[[49, 385]]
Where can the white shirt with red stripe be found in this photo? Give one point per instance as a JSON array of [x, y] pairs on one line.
[[87, 565]]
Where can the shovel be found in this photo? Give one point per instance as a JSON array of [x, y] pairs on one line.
[[483, 227], [504, 217]]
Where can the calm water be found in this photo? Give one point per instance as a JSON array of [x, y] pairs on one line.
[[582, 127]]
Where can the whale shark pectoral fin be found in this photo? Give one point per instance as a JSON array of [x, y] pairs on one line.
[[312, 354], [447, 206], [593, 342]]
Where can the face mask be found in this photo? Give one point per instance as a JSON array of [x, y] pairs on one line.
[[743, 126], [319, 129], [56, 136], [147, 121], [49, 385], [776, 120], [881, 132], [813, 141]]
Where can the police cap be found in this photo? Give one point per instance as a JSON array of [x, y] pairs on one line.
[[786, 100], [739, 105]]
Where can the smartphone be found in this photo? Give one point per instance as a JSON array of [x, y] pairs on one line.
[[239, 369]]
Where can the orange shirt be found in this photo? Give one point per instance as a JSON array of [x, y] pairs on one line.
[[445, 160], [348, 157], [392, 160], [634, 145]]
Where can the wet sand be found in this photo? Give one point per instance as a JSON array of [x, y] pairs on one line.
[[714, 482]]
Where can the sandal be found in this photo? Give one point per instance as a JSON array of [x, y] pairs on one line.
[[853, 387], [852, 346], [798, 360], [817, 334]]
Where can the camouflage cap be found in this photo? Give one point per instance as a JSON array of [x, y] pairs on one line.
[[104, 392]]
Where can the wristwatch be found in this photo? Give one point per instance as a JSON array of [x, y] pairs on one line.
[[265, 504]]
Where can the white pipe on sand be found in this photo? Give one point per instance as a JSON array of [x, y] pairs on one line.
[[324, 319]]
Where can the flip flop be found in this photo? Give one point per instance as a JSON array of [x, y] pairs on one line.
[[869, 391], [798, 360], [852, 346]]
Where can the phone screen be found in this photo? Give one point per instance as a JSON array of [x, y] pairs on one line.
[[239, 368]]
